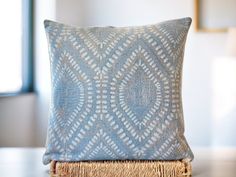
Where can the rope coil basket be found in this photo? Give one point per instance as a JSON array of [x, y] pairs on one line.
[[127, 168]]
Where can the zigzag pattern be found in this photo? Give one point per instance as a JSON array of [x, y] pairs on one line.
[[116, 92]]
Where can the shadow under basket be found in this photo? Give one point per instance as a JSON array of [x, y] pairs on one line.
[[127, 168]]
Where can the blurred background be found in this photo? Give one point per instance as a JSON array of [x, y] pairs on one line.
[[209, 73]]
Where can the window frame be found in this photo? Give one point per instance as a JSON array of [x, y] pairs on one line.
[[27, 74]]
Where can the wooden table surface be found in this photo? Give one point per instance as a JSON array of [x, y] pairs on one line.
[[27, 162]]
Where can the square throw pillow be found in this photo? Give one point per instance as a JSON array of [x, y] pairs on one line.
[[116, 92]]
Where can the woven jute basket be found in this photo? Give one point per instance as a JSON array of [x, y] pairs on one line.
[[180, 168]]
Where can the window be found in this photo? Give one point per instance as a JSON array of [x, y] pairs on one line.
[[15, 49]]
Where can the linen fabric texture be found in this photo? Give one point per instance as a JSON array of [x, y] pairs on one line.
[[116, 92]]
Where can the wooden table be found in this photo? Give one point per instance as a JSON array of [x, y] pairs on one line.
[[27, 162]]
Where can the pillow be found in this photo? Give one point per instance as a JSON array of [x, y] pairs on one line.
[[116, 92]]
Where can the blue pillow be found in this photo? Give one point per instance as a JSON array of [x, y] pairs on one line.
[[116, 92]]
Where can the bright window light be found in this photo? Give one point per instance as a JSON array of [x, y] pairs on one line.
[[10, 46]]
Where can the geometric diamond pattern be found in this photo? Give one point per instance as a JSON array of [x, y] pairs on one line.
[[116, 92]]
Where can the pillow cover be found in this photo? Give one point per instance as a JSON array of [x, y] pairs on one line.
[[116, 92]]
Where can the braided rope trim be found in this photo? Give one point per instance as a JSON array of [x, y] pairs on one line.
[[127, 168]]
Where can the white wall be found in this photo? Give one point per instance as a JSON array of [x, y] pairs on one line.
[[17, 120], [43, 9], [202, 49]]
